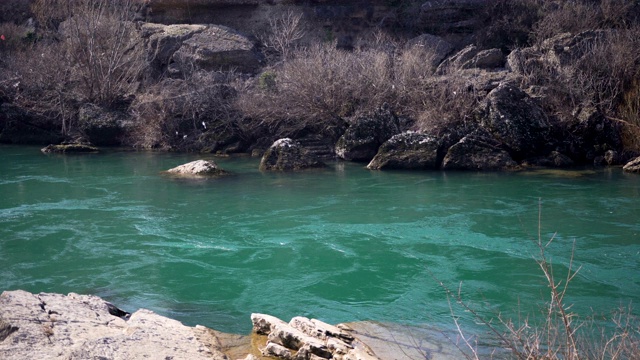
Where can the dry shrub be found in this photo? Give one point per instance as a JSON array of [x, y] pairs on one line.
[[285, 32], [16, 38], [318, 87], [15, 11], [174, 112], [508, 23]]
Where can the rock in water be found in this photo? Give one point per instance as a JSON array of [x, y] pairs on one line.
[[198, 168], [55, 326], [409, 150], [69, 148], [285, 155], [633, 166]]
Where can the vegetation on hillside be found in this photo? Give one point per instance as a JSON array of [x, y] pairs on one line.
[[88, 51]]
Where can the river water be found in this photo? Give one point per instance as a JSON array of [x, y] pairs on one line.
[[341, 244]]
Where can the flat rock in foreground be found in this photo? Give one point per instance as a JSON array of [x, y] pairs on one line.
[[54, 326]]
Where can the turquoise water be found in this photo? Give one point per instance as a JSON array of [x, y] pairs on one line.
[[340, 244]]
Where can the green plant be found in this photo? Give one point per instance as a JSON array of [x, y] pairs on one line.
[[267, 80]]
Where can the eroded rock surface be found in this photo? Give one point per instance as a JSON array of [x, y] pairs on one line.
[[633, 166], [409, 150], [55, 326]]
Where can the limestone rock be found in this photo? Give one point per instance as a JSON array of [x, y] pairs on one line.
[[477, 152], [473, 58], [69, 148], [162, 41], [310, 339], [409, 150], [285, 155], [361, 140], [217, 48], [633, 166], [54, 326], [198, 168], [514, 118]]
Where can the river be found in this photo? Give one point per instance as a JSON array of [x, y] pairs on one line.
[[340, 244]]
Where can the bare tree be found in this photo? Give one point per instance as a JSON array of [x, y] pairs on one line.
[[285, 32]]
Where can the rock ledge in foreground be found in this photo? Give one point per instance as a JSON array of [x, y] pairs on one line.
[[55, 326]]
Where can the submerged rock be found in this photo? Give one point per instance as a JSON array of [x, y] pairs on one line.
[[55, 326], [286, 155], [198, 168], [69, 148]]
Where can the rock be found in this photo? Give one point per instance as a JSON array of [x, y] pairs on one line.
[[612, 157], [216, 48], [101, 126], [162, 41], [285, 155], [451, 16], [472, 58], [409, 150], [591, 135], [198, 168], [276, 350], [564, 49], [361, 140], [516, 120], [437, 47], [54, 326], [554, 160], [69, 148], [477, 152], [633, 166], [310, 339]]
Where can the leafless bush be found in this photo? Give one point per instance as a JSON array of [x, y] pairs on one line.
[[15, 11], [174, 112], [285, 31], [560, 334]]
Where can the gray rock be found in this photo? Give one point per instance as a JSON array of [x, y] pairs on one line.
[[436, 46], [279, 351], [633, 166], [216, 48], [162, 41], [555, 159], [285, 155], [101, 126], [514, 118], [477, 152], [361, 140], [409, 150], [591, 134], [54, 326], [198, 168], [451, 16]]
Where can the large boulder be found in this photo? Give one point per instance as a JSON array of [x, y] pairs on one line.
[[285, 155], [409, 150], [55, 326], [633, 166], [198, 168], [478, 151], [471, 57], [516, 120], [217, 48], [162, 41], [361, 140]]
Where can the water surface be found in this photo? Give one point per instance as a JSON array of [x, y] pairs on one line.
[[341, 244]]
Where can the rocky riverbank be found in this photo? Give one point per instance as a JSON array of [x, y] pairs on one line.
[[73, 326]]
